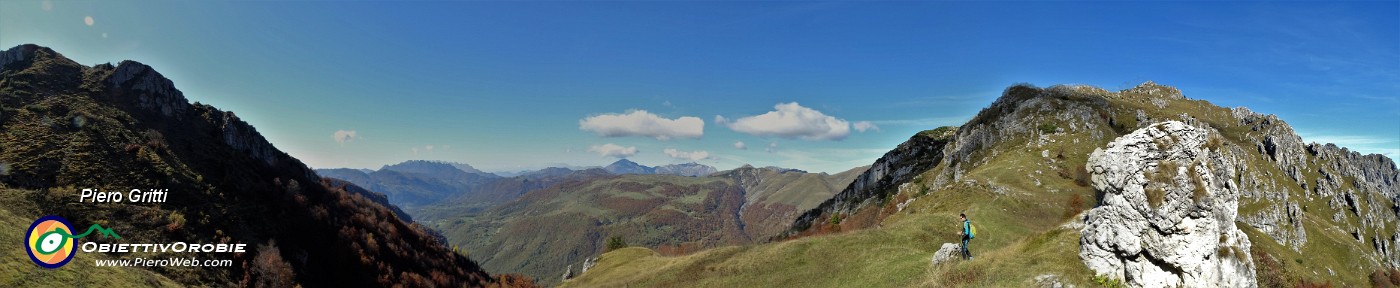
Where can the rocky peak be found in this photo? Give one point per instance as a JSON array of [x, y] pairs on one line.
[[18, 54], [149, 90], [1167, 217], [1155, 90], [624, 166]]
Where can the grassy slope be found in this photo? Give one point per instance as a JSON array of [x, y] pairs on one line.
[[1020, 233], [546, 230], [81, 271]]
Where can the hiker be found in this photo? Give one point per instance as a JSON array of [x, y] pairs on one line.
[[966, 234]]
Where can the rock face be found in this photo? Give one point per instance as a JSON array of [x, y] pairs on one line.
[[1167, 217], [948, 252], [899, 166]]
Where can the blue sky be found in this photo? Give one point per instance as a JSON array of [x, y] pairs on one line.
[[524, 85]]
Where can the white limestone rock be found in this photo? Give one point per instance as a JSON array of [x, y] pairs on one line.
[[1186, 237]]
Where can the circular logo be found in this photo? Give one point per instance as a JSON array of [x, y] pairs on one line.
[[49, 242]]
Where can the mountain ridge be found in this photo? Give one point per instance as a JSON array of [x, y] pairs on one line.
[[66, 125], [1316, 214]]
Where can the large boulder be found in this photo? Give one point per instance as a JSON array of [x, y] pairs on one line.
[[1167, 216], [948, 252]]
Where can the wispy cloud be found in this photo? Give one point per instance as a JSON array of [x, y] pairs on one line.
[[687, 155], [613, 150], [342, 136], [862, 126]]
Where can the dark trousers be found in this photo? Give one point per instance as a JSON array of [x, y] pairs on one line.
[[966, 254]]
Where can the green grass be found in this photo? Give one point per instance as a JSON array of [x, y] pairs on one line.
[[16, 270], [1018, 239]]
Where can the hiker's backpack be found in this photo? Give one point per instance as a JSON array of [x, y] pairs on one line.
[[974, 230]]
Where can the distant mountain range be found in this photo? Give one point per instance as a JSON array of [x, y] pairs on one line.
[[545, 230], [415, 184]]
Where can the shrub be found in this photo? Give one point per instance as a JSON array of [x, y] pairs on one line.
[[1105, 281], [1158, 181], [1270, 272], [1074, 205], [1155, 196], [269, 270], [1385, 278], [615, 243], [1213, 143], [1080, 174], [963, 276], [1198, 193], [176, 220], [1047, 128], [1380, 279], [835, 219], [513, 280]]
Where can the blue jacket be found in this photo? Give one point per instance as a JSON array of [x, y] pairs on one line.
[[967, 229]]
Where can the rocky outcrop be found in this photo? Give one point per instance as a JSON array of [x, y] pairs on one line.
[[1355, 186], [568, 272], [918, 154], [149, 90], [1167, 217], [948, 252], [588, 264]]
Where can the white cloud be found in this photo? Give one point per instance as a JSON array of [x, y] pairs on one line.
[[47, 5], [643, 123], [87, 20], [772, 147], [790, 120], [692, 156], [613, 150], [104, 34], [865, 125], [429, 148], [740, 145], [720, 119], [342, 136]]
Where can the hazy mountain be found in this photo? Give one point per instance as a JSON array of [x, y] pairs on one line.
[[66, 126], [1182, 191], [500, 190], [545, 230], [624, 166], [415, 183]]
